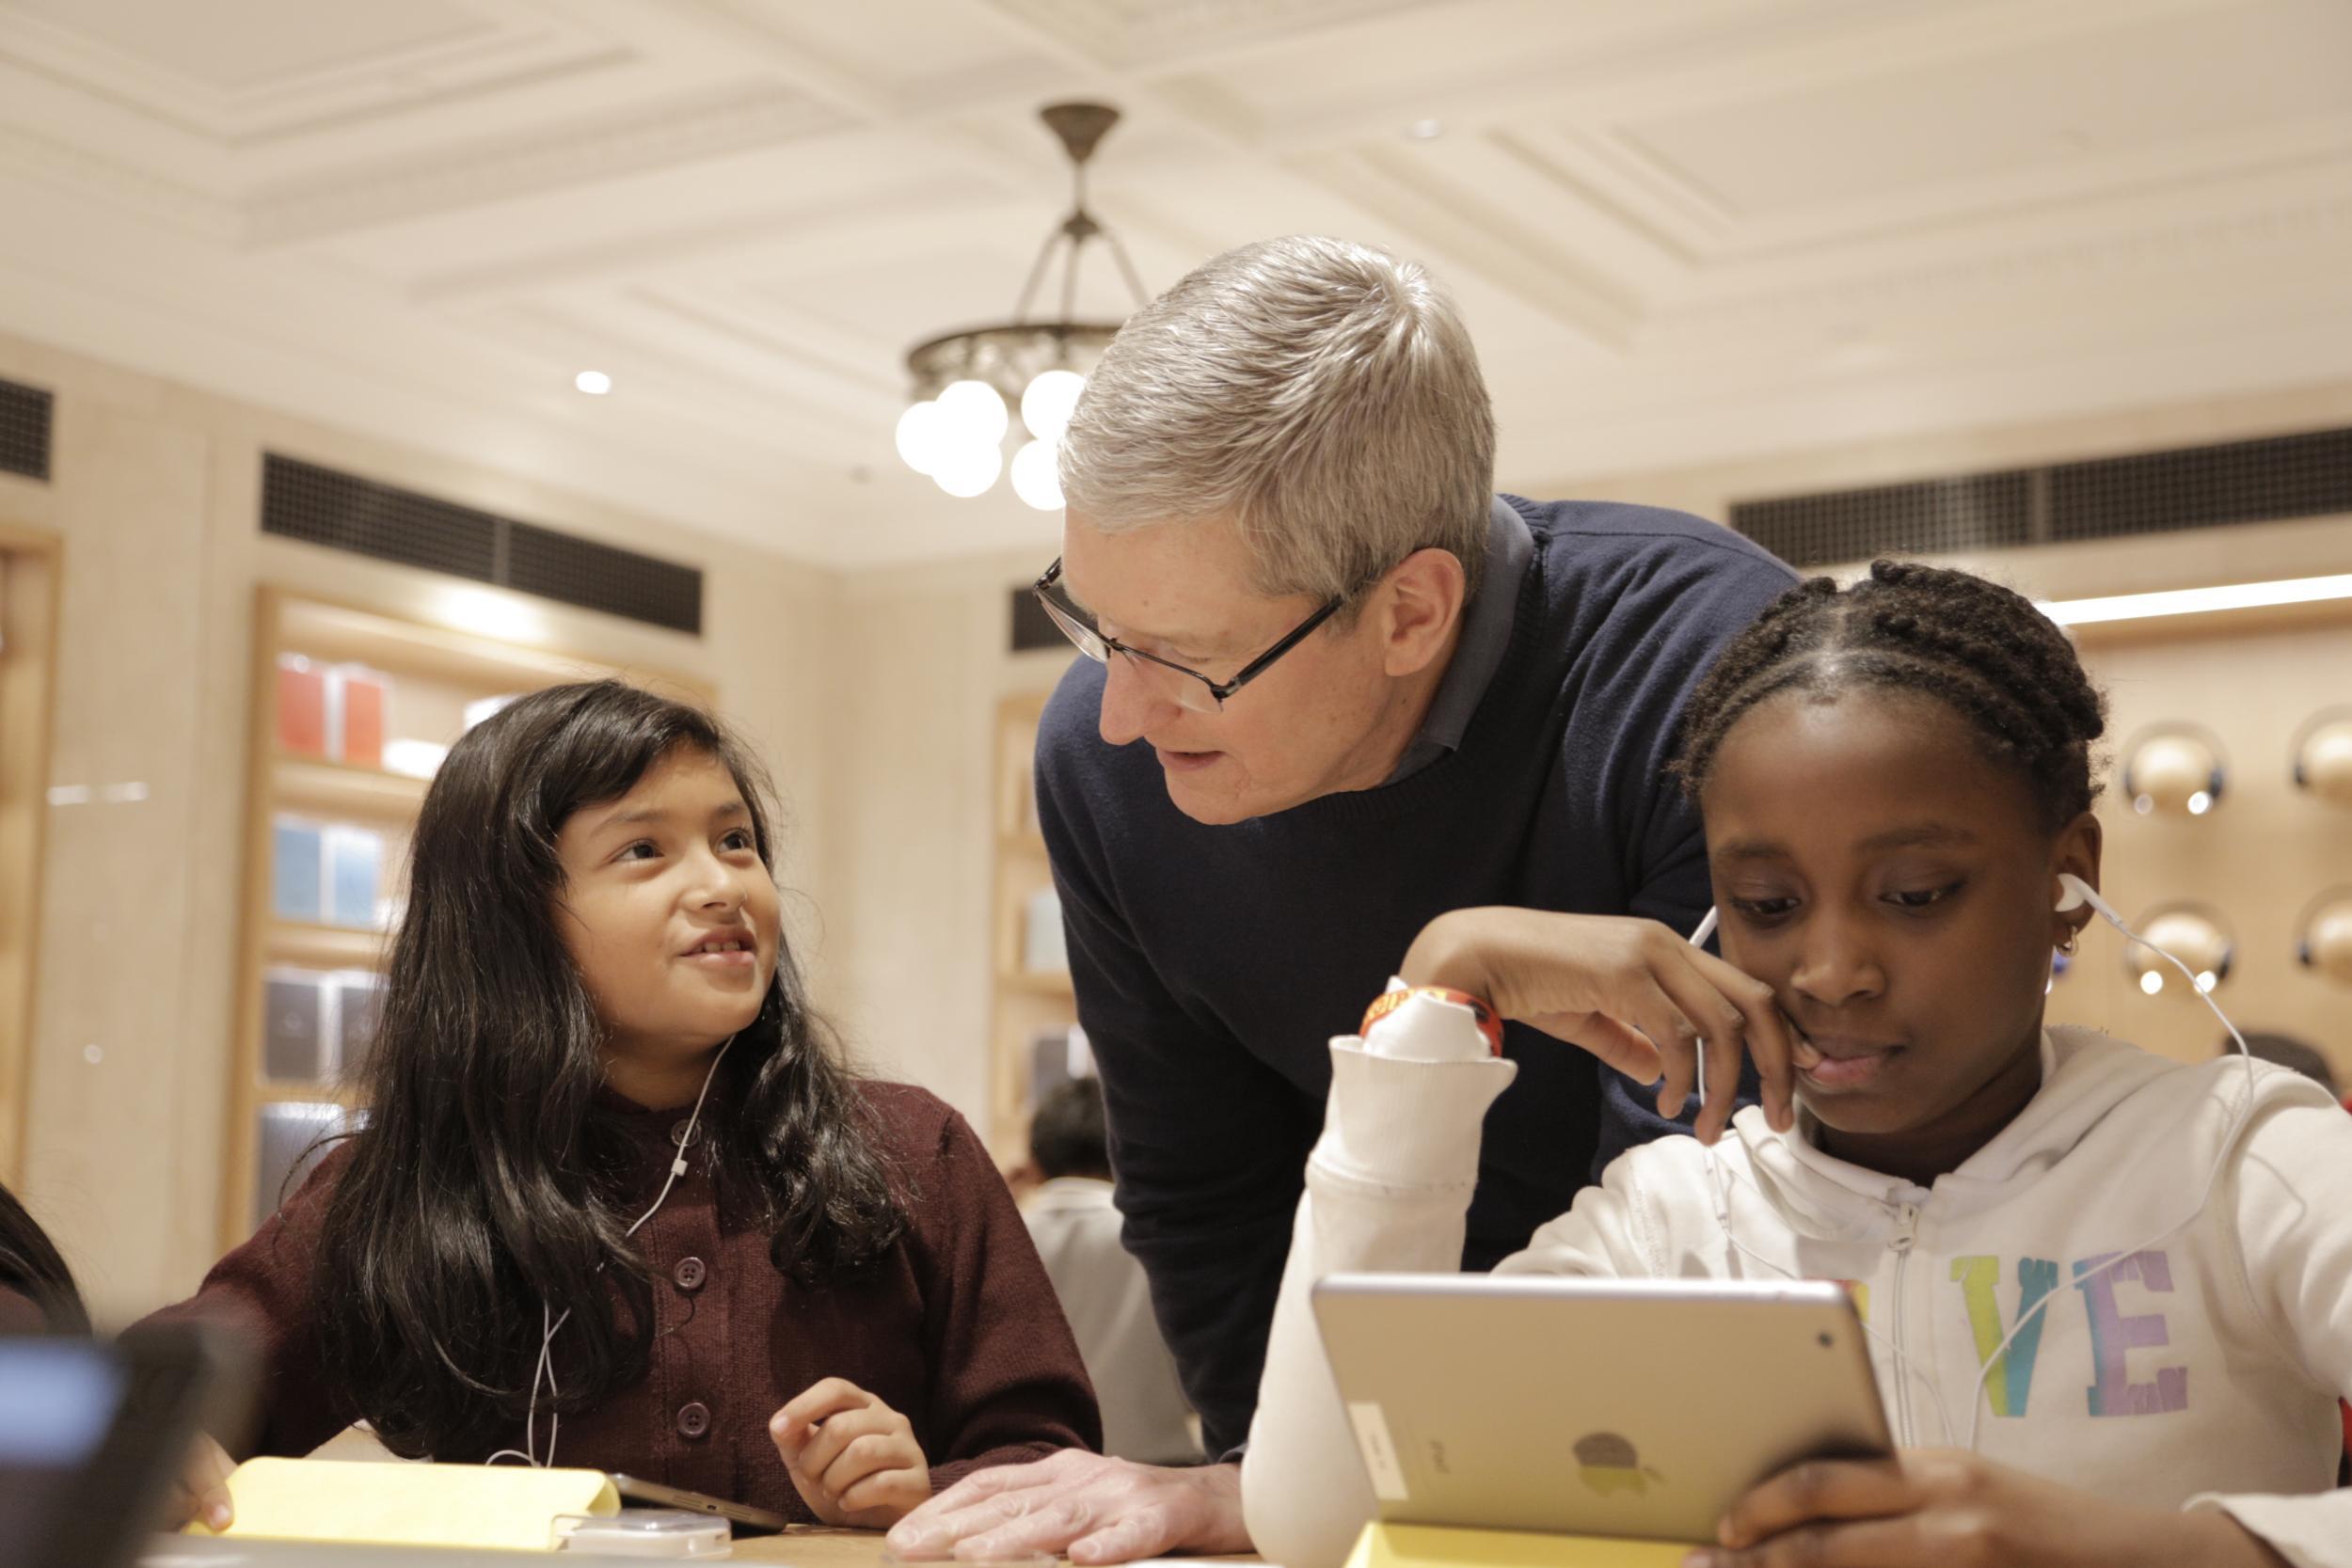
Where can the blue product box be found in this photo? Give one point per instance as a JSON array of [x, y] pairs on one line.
[[355, 872], [297, 862]]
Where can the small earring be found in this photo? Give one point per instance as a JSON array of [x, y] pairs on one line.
[[2074, 934]]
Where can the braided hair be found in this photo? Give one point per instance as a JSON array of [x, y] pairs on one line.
[[1984, 652]]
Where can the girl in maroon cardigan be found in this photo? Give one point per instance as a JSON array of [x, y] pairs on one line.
[[614, 1191]]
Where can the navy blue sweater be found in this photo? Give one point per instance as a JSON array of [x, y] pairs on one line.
[[1213, 964]]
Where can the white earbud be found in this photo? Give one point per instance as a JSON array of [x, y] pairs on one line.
[[2074, 892]]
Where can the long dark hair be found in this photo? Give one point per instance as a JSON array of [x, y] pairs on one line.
[[489, 1178], [29, 1263]]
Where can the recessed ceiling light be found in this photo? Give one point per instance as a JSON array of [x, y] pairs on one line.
[[594, 383], [1425, 130]]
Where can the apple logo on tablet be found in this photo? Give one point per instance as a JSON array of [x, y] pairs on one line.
[[1608, 1462]]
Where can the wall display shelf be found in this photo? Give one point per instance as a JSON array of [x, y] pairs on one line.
[[1033, 1009], [2237, 850], [351, 709], [338, 790]]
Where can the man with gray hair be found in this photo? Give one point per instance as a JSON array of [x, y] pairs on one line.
[[1334, 688]]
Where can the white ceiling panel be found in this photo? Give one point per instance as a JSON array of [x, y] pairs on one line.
[[1133, 32], [1393, 69], [1680, 229], [2160, 84], [237, 45], [699, 133], [899, 44], [642, 210], [241, 73]]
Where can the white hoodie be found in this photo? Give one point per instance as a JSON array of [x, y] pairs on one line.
[[2204, 1373]]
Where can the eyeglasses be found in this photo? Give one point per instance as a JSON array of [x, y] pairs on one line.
[[1194, 690]]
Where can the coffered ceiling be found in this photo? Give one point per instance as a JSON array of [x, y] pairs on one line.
[[1683, 230]]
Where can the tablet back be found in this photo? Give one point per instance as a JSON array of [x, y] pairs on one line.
[[1600, 1407]]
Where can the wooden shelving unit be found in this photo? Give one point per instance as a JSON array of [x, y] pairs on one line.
[[29, 568], [336, 789], [308, 944], [431, 674], [1032, 995]]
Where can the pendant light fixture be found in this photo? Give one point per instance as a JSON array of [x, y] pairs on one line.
[[966, 385]]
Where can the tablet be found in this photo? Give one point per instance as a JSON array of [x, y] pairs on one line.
[[1595, 1408], [93, 1436]]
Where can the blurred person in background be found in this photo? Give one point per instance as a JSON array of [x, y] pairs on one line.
[[1101, 1287], [2289, 1052]]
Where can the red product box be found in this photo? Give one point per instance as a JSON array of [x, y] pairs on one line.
[[301, 707], [362, 703]]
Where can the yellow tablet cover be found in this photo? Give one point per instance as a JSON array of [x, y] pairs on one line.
[[1384, 1546], [509, 1507]]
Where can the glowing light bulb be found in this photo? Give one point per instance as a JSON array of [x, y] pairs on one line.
[[1036, 478], [2152, 982], [922, 437], [2207, 979], [594, 383], [2199, 803], [1046, 405], [968, 468], [974, 412]]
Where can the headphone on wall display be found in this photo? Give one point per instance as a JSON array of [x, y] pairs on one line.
[[2322, 754], [2174, 768], [2194, 936], [2323, 935]]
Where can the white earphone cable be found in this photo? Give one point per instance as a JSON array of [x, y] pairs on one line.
[[2213, 1176], [545, 1371]]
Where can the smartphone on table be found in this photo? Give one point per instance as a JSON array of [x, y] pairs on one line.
[[742, 1515]]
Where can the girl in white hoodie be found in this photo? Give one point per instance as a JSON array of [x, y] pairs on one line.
[[1893, 778]]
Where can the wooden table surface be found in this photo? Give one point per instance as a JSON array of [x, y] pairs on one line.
[[814, 1546], [817, 1546]]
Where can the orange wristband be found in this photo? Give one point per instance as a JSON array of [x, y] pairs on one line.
[[1481, 1009]]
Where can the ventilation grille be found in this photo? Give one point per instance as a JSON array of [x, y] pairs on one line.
[[2163, 492], [1981, 511], [24, 431], [321, 506], [600, 576], [1032, 628], [2271, 479]]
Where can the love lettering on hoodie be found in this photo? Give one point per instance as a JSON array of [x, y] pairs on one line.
[[2114, 1334]]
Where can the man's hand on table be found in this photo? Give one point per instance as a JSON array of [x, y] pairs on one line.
[[1083, 1506]]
